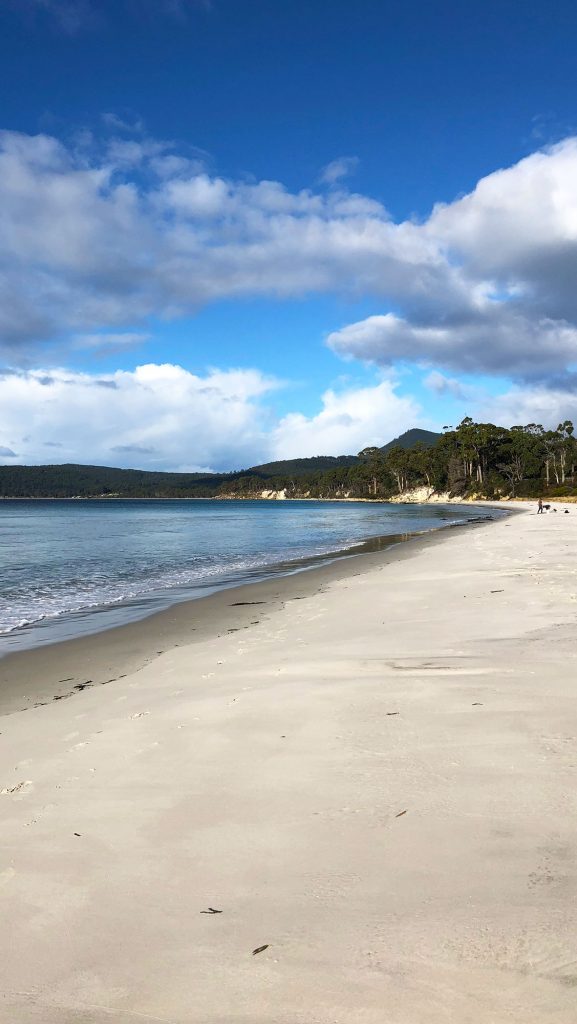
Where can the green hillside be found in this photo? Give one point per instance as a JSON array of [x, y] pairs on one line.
[[75, 481], [301, 467], [412, 437]]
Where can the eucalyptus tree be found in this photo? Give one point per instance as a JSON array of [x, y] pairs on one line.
[[374, 461]]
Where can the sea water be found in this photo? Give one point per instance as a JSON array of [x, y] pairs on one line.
[[74, 567]]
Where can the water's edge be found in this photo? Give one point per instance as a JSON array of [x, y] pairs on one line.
[[57, 671], [88, 621]]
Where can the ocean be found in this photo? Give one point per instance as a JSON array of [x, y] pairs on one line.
[[69, 568]]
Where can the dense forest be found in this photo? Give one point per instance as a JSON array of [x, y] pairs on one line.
[[472, 460], [475, 460]]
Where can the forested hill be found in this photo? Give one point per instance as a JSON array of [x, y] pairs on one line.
[[303, 467], [475, 459], [412, 437], [76, 481]]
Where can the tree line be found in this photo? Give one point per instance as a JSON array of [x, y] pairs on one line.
[[470, 460]]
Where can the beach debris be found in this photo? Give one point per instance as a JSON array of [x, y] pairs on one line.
[[211, 910], [391, 713], [15, 789], [79, 834], [67, 680], [260, 949], [477, 704], [497, 591], [400, 814], [82, 686], [241, 604]]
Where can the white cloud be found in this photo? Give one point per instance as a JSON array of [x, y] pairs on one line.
[[348, 421], [342, 167], [103, 240], [163, 417], [97, 240], [533, 404], [495, 340], [157, 417], [440, 385], [498, 292]]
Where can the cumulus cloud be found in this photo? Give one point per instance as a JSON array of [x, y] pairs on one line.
[[105, 239], [99, 239], [157, 417], [348, 421], [501, 341], [164, 417], [538, 403], [505, 259]]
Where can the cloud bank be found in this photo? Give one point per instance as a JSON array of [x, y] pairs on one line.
[[158, 417], [164, 417], [104, 237], [98, 238]]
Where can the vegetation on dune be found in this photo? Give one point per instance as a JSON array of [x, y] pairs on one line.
[[472, 460]]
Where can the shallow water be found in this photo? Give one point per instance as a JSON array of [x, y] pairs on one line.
[[72, 567]]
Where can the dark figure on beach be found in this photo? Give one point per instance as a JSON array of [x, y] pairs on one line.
[[540, 506]]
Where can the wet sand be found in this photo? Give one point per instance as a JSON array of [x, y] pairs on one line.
[[374, 784], [55, 671]]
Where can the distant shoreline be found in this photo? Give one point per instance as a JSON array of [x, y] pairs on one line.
[[395, 500]]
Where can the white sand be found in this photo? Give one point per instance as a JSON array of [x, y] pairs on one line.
[[267, 775]]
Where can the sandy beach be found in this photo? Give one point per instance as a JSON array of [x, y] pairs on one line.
[[352, 802]]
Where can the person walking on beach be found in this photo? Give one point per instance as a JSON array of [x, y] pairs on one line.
[[539, 506]]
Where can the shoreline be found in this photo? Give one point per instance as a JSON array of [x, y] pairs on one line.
[[57, 670]]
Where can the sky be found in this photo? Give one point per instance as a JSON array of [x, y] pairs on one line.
[[236, 232]]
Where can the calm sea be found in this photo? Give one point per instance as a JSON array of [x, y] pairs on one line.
[[73, 567]]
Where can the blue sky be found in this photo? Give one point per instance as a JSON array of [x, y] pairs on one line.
[[313, 225]]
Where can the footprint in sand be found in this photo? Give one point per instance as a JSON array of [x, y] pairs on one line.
[[78, 746], [139, 714]]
